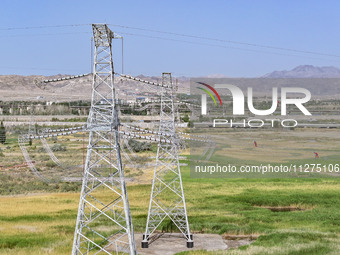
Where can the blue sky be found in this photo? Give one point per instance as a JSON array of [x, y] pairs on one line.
[[301, 25]]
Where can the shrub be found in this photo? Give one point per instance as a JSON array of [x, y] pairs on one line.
[[41, 149], [139, 146], [51, 164], [2, 133], [58, 147]]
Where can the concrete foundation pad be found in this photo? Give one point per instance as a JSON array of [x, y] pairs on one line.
[[169, 244]]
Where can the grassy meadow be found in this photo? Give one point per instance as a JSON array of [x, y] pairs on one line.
[[37, 218]]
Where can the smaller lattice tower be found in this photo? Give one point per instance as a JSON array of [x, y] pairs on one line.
[[167, 196]]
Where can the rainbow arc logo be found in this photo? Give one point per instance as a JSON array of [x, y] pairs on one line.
[[209, 93]]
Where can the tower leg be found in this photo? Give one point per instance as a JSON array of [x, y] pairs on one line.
[[145, 244], [145, 241], [190, 244]]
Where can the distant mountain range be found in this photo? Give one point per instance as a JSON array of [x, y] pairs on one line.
[[307, 71]]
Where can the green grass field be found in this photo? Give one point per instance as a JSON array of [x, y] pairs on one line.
[[43, 223]]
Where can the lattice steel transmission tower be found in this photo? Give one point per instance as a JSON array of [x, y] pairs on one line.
[[104, 223], [167, 196]]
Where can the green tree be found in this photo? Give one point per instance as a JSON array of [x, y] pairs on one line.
[[2, 133], [186, 118]]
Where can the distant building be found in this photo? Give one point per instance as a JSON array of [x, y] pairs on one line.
[[140, 99], [131, 101], [103, 101]]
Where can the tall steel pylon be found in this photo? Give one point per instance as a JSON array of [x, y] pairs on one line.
[[104, 223], [167, 196]]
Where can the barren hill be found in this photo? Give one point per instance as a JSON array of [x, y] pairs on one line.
[[307, 71], [28, 88]]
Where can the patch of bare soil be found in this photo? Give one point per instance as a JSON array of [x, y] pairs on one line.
[[283, 208], [235, 241]]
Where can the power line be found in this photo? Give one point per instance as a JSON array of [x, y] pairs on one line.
[[39, 68], [183, 35], [216, 45], [49, 34], [40, 27], [163, 38], [228, 41], [179, 40]]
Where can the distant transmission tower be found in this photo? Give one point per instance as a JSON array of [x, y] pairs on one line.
[[104, 223], [167, 196]]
